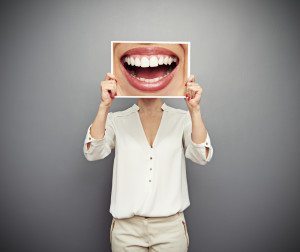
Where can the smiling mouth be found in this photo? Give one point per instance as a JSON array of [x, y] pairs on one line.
[[149, 68]]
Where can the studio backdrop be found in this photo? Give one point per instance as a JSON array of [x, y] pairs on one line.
[[244, 54]]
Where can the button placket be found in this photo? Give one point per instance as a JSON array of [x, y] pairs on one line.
[[151, 162]]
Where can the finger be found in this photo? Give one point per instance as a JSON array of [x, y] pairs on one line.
[[197, 98], [191, 89], [106, 94], [186, 92], [111, 82], [190, 93], [114, 92], [191, 84], [110, 86], [110, 76], [191, 78], [198, 94], [194, 86], [193, 92]]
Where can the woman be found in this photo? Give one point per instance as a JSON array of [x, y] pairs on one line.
[[149, 189]]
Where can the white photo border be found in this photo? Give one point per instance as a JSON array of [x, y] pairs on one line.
[[188, 43]]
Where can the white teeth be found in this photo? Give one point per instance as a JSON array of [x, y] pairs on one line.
[[151, 80], [166, 60], [132, 61], [153, 61], [137, 62], [145, 62], [161, 60]]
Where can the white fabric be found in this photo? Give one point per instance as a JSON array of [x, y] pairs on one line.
[[148, 181]]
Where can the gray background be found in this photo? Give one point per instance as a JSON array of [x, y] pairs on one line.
[[245, 55]]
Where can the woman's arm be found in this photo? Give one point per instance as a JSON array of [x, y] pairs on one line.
[[97, 129], [199, 132], [196, 138], [100, 137], [99, 148]]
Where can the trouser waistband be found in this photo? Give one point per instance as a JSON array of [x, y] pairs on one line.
[[154, 218]]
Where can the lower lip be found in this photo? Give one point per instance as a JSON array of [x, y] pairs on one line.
[[146, 86]]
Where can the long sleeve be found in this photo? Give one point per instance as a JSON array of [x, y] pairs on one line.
[[193, 151], [100, 148]]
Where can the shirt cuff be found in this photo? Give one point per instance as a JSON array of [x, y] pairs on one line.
[[206, 143], [202, 148], [90, 139]]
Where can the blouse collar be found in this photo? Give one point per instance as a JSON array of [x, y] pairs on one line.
[[136, 107]]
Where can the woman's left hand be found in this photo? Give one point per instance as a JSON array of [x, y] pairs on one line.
[[193, 94]]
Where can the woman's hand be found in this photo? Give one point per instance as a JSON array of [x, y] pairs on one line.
[[108, 89], [193, 94]]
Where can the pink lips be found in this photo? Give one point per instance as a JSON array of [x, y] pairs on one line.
[[148, 51]]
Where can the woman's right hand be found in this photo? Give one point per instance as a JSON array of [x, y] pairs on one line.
[[108, 89]]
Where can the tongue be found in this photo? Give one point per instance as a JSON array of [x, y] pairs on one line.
[[150, 72]]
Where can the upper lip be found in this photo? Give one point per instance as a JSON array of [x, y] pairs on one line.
[[149, 50]]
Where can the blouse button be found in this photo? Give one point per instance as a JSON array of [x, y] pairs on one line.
[[150, 169], [150, 157], [149, 180]]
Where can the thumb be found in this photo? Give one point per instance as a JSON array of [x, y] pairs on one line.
[[106, 94]]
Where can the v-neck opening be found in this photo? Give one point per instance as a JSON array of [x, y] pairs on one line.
[[157, 132]]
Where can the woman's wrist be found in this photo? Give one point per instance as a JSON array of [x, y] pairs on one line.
[[195, 110], [104, 107]]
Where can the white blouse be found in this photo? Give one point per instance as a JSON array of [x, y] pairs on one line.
[[148, 181]]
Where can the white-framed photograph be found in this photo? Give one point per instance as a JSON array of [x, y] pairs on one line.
[[150, 68]]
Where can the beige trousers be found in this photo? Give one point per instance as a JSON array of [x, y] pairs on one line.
[[155, 234]]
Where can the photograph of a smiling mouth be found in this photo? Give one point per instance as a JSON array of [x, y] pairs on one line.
[[149, 68]]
